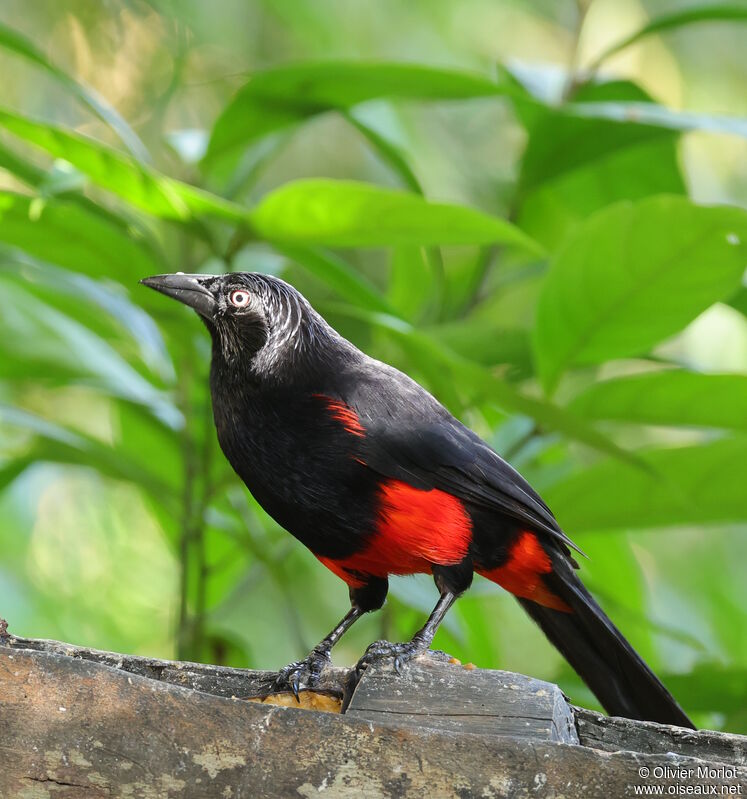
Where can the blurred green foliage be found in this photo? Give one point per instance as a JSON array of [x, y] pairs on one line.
[[534, 208]]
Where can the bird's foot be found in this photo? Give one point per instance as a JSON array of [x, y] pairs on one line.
[[302, 675], [383, 651]]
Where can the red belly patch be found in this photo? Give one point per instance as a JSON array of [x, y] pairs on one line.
[[522, 574], [415, 529]]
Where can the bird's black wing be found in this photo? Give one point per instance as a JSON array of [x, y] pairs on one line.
[[442, 453]]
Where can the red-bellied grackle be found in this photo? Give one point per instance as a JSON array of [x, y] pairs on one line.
[[376, 477]]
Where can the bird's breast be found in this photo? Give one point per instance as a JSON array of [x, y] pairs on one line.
[[299, 457]]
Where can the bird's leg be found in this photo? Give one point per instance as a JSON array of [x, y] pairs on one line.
[[401, 653], [365, 595], [304, 674]]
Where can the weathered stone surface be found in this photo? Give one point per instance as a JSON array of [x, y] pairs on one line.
[[79, 727]]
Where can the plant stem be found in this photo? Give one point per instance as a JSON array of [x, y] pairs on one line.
[[582, 9], [198, 531], [183, 646]]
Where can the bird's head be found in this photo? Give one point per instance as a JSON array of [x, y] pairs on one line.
[[258, 323]]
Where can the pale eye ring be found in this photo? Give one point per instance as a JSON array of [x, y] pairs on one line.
[[239, 298]]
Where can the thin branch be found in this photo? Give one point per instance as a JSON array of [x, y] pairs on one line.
[[582, 10], [274, 567], [190, 469]]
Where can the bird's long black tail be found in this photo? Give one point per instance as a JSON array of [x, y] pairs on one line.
[[599, 653]]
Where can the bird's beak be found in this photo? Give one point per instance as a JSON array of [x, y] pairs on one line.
[[189, 289]]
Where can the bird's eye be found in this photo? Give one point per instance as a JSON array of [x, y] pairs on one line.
[[239, 298]]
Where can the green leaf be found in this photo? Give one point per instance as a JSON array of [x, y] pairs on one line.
[[574, 166], [350, 214], [16, 43], [12, 470], [707, 687], [25, 171], [487, 343], [396, 160], [560, 142], [673, 397], [389, 153], [712, 12], [412, 284], [711, 687], [632, 275], [105, 309], [139, 185], [614, 575], [658, 116], [286, 95], [701, 484], [739, 301], [65, 233], [40, 335], [57, 444], [337, 275], [531, 98], [48, 184], [144, 440]]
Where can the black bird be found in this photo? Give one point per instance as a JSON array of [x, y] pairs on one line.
[[376, 477]]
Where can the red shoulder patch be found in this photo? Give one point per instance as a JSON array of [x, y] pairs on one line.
[[522, 572], [344, 414]]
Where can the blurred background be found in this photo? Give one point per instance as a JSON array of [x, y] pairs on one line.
[[599, 342]]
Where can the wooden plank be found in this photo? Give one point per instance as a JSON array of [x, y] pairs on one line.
[[443, 696], [613, 734], [218, 680], [594, 729], [75, 728]]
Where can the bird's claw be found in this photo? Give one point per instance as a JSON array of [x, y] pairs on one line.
[[382, 651], [301, 675]]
